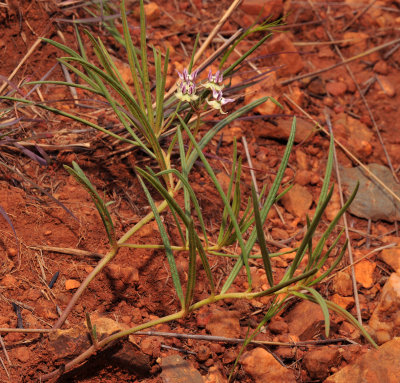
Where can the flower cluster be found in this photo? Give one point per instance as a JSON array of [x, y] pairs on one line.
[[215, 82], [187, 88], [218, 101]]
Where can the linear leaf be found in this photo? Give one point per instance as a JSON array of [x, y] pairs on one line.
[[261, 238], [80, 176], [164, 237]]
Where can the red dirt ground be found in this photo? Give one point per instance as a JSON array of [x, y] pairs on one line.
[[41, 223]]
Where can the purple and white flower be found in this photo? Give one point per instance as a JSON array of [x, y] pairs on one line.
[[214, 81], [187, 86], [219, 101]]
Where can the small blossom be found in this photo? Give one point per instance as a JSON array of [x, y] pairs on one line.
[[187, 86], [214, 82], [218, 101]]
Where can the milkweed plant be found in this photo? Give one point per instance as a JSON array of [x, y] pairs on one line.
[[149, 114]]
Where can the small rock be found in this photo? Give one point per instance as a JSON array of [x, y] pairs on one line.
[[345, 302], [46, 310], [349, 331], [336, 88], [263, 367], [203, 316], [358, 43], [177, 370], [22, 354], [292, 61], [297, 201], [304, 129], [126, 274], [67, 344], [215, 376], [381, 67], [151, 346], [106, 326], [9, 281], [224, 180], [278, 326], [316, 86], [364, 271], [224, 323], [12, 252], [203, 353], [303, 177], [302, 161], [391, 257], [267, 88], [381, 365], [318, 362], [306, 320], [334, 206], [372, 201], [71, 284], [297, 95], [217, 348], [151, 10], [342, 284], [385, 319], [386, 86], [230, 355], [124, 70], [262, 9], [132, 359], [354, 134]]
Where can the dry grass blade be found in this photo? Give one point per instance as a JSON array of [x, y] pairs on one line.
[[14, 72], [223, 339], [64, 250], [216, 29], [358, 15]]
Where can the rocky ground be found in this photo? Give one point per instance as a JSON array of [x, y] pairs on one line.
[[336, 65]]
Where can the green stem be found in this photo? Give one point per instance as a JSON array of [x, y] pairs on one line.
[[103, 262]]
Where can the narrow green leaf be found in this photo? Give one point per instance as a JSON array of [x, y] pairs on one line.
[[192, 266], [324, 307], [339, 310], [266, 207], [223, 197], [193, 197], [223, 234], [182, 154], [169, 253], [175, 207], [261, 238], [132, 58], [328, 172], [309, 234], [196, 42], [243, 57], [80, 176], [145, 65], [281, 285], [333, 266]]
